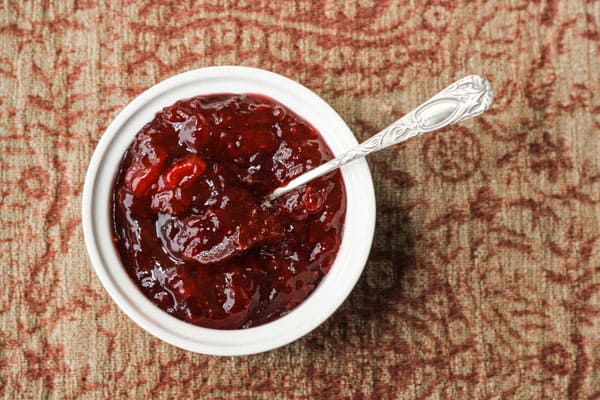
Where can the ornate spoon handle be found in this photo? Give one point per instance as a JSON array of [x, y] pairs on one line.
[[464, 99]]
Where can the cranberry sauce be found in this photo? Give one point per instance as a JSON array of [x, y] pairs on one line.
[[189, 222]]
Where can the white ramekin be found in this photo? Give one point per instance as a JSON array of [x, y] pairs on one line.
[[333, 289]]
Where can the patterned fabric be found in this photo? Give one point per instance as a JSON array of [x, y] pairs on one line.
[[484, 277]]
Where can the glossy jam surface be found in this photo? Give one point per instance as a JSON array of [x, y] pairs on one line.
[[189, 219]]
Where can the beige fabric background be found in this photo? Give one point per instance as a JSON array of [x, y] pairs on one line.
[[484, 278]]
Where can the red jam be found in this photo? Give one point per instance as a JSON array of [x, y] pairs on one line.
[[189, 219]]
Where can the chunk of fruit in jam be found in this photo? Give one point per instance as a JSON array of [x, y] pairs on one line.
[[220, 233], [175, 189], [146, 166], [231, 297], [188, 216], [184, 172]]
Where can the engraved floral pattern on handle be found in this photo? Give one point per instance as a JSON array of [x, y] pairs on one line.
[[464, 99]]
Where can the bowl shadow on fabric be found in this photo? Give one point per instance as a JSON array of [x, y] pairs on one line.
[[379, 289]]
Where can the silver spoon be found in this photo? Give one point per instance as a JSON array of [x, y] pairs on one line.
[[464, 99]]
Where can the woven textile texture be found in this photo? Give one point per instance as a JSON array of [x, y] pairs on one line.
[[484, 277]]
